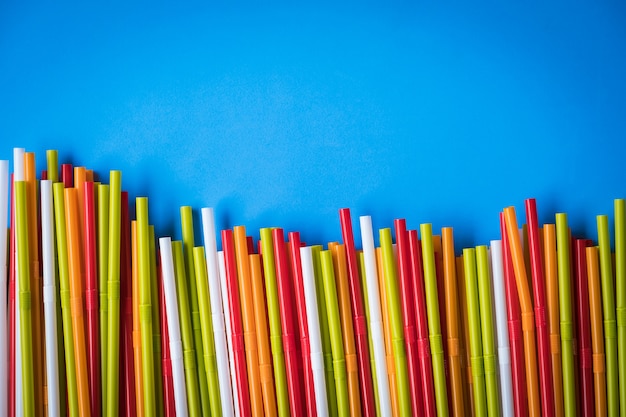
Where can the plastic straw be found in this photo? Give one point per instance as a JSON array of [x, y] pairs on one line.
[[502, 331], [4, 204], [156, 325], [129, 395], [169, 402], [103, 272], [584, 329], [137, 342], [466, 352], [18, 164], [620, 290]]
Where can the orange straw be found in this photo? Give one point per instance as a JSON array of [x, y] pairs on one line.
[[597, 335]]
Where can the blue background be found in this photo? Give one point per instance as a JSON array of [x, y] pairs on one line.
[[282, 113]]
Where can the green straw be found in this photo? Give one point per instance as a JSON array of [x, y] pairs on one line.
[[64, 291], [26, 336], [565, 315], [113, 294], [476, 344], [325, 332], [608, 313], [103, 273], [188, 245], [186, 331], [395, 323], [202, 285], [273, 310], [156, 327], [336, 339], [488, 335], [434, 326], [620, 288]]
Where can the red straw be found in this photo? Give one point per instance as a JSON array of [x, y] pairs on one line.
[[236, 324], [91, 299], [359, 321], [168, 379], [296, 267], [514, 314], [584, 330], [423, 345], [285, 299], [408, 313], [12, 309], [541, 323], [67, 173]]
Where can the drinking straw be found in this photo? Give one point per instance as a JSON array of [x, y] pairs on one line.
[[80, 177], [395, 323], [608, 310], [334, 323], [169, 402], [249, 324], [30, 178], [597, 338], [273, 310], [573, 297], [76, 299], [228, 245], [466, 354], [358, 317], [452, 322], [91, 297], [186, 329], [515, 325], [202, 286], [156, 326], [174, 331], [488, 337], [103, 256], [502, 332], [584, 329], [476, 347], [376, 324], [188, 244], [620, 289], [129, 402], [18, 164], [4, 204], [345, 318], [423, 345], [263, 341], [12, 305], [64, 292], [441, 301], [66, 175], [391, 366], [434, 327], [296, 267], [113, 294], [52, 167], [229, 335], [285, 299], [539, 287], [408, 313], [528, 325], [138, 359], [217, 313]]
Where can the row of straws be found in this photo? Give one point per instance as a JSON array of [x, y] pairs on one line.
[[103, 319]]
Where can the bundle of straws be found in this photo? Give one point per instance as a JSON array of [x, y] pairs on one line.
[[105, 320]]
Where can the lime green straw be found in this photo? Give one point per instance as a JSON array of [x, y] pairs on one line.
[[565, 315], [620, 288], [156, 328], [395, 323], [145, 305], [64, 291], [325, 332], [488, 335], [476, 344], [188, 245], [103, 273], [210, 360], [608, 313], [189, 354], [273, 310], [336, 338], [369, 334], [26, 336], [434, 326], [113, 294]]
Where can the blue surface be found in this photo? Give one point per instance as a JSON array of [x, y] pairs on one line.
[[281, 114]]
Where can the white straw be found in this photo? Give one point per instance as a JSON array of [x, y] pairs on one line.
[[315, 337], [18, 175], [4, 205], [376, 324], [219, 334], [502, 331], [171, 310], [229, 335]]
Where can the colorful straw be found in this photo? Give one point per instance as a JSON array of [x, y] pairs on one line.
[[597, 337], [620, 291], [137, 342], [18, 164], [156, 325], [169, 404], [103, 272], [4, 204], [466, 351], [584, 329]]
